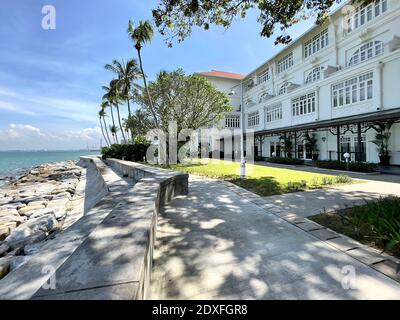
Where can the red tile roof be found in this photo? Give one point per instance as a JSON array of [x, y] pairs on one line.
[[222, 74]]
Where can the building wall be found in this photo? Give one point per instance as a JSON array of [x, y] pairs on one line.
[[335, 58]]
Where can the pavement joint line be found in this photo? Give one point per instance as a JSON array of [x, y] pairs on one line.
[[296, 224]]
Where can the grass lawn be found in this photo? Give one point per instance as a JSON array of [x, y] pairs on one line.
[[376, 224], [262, 180]]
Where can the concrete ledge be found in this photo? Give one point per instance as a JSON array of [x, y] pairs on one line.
[[115, 260]]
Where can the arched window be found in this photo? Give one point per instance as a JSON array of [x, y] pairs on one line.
[[263, 97], [283, 88], [367, 51], [314, 75]]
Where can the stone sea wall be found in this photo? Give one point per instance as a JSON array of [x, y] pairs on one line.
[[35, 207], [96, 244]]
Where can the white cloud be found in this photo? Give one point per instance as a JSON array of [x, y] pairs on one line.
[[45, 106], [12, 107], [28, 137]]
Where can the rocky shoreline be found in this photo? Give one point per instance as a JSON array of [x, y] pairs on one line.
[[35, 207]]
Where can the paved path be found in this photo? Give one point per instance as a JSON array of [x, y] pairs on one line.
[[309, 203], [215, 244]]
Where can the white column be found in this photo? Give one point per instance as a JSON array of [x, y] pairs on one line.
[[379, 86], [317, 88]]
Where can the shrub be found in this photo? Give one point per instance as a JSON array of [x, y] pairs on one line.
[[326, 181], [296, 186], [379, 221], [353, 166], [343, 179], [129, 152], [315, 181], [259, 158], [289, 161]]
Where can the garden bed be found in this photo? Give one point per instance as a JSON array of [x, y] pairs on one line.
[[377, 223]]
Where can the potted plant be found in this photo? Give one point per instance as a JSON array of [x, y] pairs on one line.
[[382, 138], [287, 146], [312, 144]]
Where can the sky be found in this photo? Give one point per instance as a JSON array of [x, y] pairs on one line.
[[50, 80]]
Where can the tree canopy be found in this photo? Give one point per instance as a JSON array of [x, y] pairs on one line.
[[175, 18], [191, 101]]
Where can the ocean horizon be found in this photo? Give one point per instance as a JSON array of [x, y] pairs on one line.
[[13, 162]]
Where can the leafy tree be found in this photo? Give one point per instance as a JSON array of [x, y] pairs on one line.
[[175, 18], [191, 101], [138, 123]]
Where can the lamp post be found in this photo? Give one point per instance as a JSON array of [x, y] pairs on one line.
[[347, 157], [242, 159]]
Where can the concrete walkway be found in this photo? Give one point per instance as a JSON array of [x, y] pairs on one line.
[[309, 203], [215, 244]]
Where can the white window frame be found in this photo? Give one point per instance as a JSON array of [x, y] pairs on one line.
[[304, 105], [263, 77], [273, 113], [283, 88], [317, 43], [314, 75], [253, 119], [365, 14], [366, 52], [285, 63], [354, 90], [263, 97], [232, 121]]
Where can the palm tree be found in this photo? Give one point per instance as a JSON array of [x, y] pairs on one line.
[[107, 104], [114, 97], [103, 126], [114, 131], [140, 35], [127, 73]]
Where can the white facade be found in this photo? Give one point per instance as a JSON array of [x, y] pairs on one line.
[[331, 72]]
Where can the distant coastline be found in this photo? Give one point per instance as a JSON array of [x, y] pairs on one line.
[[16, 162]]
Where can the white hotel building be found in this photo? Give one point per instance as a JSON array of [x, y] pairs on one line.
[[335, 81]]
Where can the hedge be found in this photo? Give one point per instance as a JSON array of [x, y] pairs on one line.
[[353, 166], [130, 152]]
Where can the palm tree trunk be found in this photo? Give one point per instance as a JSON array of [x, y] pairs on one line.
[[147, 89], [119, 121], [105, 127], [130, 115], [102, 131], [113, 121]]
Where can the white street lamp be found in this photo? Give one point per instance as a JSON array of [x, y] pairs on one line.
[[242, 159], [347, 157]]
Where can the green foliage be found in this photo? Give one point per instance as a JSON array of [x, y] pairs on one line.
[[287, 145], [382, 136], [379, 221], [326, 181], [289, 161], [376, 223], [175, 18], [342, 179], [296, 186], [353, 166], [192, 101], [130, 152], [312, 142]]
